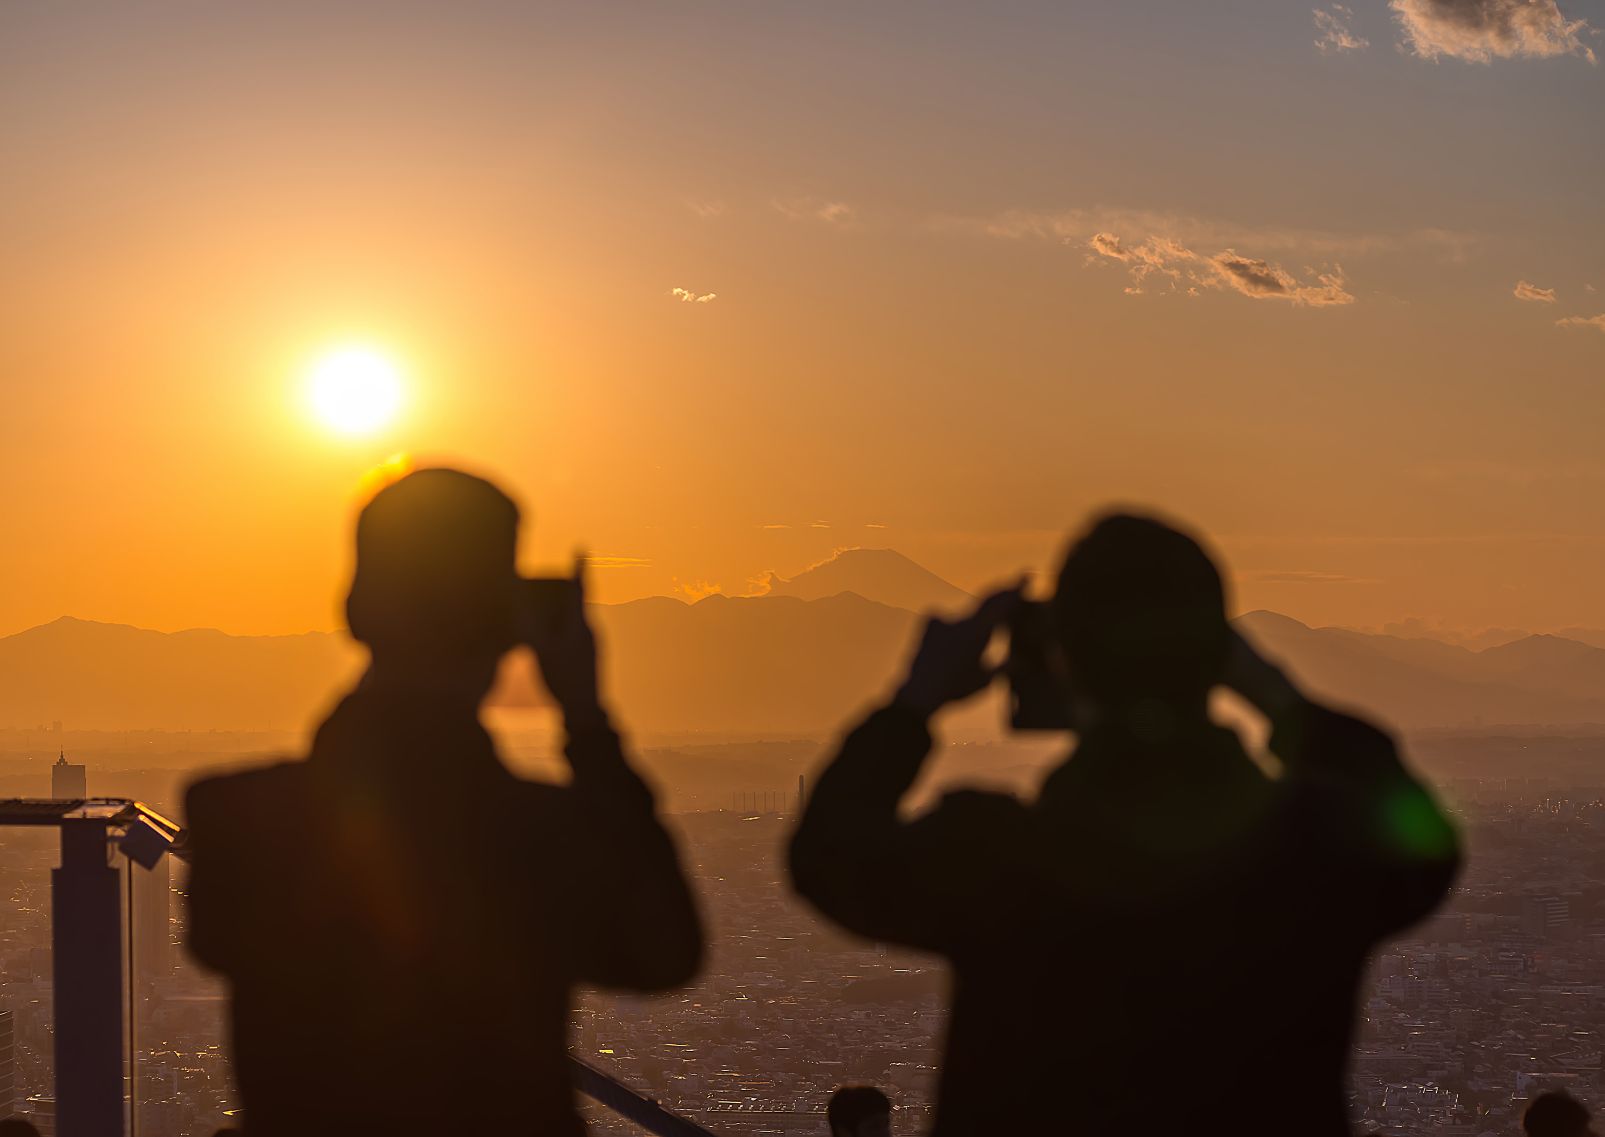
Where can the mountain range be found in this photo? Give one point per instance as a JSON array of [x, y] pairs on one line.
[[799, 659]]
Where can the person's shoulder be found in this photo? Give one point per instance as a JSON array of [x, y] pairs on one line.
[[541, 797], [968, 810], [243, 792]]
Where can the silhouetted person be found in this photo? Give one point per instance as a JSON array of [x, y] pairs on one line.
[[17, 1127], [1556, 1114], [859, 1111], [401, 919], [1164, 917]]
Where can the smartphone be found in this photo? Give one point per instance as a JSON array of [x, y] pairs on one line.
[[544, 597], [1037, 698]]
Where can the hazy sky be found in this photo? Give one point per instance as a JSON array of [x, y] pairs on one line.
[[1320, 282]]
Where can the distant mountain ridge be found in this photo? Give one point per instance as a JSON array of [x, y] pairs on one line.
[[1536, 680], [800, 659], [883, 575]]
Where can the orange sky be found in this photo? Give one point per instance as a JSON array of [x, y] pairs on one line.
[[973, 276]]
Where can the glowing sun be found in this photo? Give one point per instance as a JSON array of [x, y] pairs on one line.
[[354, 390]]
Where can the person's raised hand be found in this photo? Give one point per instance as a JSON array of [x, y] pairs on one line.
[[1266, 687], [565, 651], [950, 662]]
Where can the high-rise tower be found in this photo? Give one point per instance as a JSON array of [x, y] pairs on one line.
[[68, 781]]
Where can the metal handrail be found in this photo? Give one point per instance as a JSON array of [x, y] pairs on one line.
[[607, 1090]]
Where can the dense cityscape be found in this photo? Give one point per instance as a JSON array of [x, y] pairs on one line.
[[1494, 998]]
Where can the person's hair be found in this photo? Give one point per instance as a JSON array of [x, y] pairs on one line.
[[17, 1127], [435, 566], [850, 1106], [1555, 1114], [1141, 613]]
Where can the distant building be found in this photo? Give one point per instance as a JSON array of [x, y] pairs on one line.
[[1546, 916], [8, 1065], [68, 781]]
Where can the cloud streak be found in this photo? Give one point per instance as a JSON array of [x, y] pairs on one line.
[[687, 296], [1305, 576], [1480, 31], [1173, 267], [1077, 226], [1595, 322], [1334, 36], [813, 209], [1526, 291]]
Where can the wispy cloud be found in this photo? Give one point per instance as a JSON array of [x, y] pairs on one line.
[[1333, 33], [695, 590], [1595, 322], [1077, 226], [1480, 31], [603, 561], [707, 210], [820, 525], [1265, 281], [1526, 291], [1178, 268], [815, 209], [1304, 576], [777, 525], [874, 525], [686, 295]]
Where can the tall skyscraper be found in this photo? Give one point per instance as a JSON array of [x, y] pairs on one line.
[[8, 1065], [68, 780]]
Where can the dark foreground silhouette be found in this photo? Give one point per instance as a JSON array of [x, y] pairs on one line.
[[402, 920], [1164, 915], [859, 1111], [1556, 1114]]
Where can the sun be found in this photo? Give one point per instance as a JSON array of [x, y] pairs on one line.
[[355, 390]]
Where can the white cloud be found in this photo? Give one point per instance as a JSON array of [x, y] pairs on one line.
[[1335, 35], [1526, 291], [707, 210], [1595, 322], [1480, 31], [687, 296]]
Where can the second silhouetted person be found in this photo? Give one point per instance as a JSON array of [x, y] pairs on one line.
[[1167, 939]]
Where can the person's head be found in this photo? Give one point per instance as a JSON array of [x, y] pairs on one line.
[[17, 1127], [1556, 1114], [1140, 612], [859, 1111], [436, 583]]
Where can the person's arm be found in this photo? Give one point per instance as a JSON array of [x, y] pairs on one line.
[[644, 933], [211, 918], [1381, 825], [852, 857], [639, 928]]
